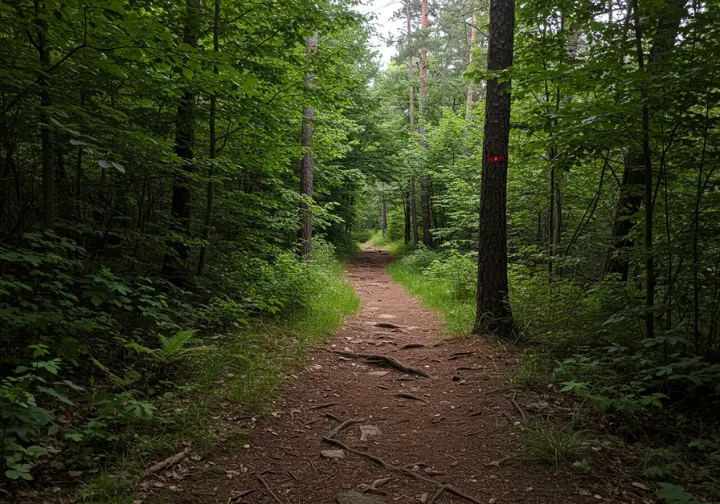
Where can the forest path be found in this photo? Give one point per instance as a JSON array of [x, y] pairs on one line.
[[458, 427]]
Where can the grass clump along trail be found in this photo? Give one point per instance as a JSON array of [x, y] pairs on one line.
[[187, 314]]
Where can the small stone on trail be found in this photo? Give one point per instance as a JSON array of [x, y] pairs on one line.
[[367, 431], [424, 497], [355, 497], [355, 341], [378, 373], [333, 454], [385, 316]]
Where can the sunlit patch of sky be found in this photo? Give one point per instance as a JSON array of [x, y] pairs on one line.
[[382, 10]]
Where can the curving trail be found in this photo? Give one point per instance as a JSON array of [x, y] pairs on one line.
[[458, 427]]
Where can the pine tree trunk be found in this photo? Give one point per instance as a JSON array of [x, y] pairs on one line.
[[493, 309]]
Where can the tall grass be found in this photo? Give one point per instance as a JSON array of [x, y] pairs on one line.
[[439, 293]]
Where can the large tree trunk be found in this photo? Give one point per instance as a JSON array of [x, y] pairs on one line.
[[493, 309], [306, 168], [184, 148], [210, 199]]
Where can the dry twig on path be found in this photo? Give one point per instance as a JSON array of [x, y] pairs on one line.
[[265, 484], [382, 359], [168, 462], [517, 407], [237, 498]]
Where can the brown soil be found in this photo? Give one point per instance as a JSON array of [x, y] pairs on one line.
[[459, 426]]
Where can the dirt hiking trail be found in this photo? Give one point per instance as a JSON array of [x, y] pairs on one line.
[[460, 426]]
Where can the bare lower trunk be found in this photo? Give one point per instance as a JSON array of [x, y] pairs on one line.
[[306, 168], [175, 263], [493, 309], [46, 136], [210, 199]]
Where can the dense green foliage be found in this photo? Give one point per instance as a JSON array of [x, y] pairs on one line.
[[149, 207]]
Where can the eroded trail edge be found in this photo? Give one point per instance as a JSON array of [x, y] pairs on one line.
[[387, 411]]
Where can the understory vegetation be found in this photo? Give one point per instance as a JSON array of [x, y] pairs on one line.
[[150, 207]]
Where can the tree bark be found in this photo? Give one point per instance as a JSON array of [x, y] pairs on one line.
[[46, 136], [493, 308], [306, 168], [411, 72], [470, 99], [406, 205], [648, 173], [185, 150], [210, 199], [413, 211], [425, 178]]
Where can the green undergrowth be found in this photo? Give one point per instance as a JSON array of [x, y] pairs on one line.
[[395, 247], [238, 372], [582, 341], [445, 289]]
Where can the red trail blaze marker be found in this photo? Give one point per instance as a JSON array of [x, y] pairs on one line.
[[495, 159]]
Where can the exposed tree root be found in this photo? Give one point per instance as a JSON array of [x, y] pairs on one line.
[[412, 345], [407, 472], [344, 425], [322, 406], [410, 396], [382, 359]]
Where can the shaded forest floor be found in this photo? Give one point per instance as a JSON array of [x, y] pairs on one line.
[[408, 434]]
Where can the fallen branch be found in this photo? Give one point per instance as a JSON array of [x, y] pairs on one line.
[[459, 354], [347, 423], [517, 407], [410, 396], [265, 484], [411, 345], [386, 359], [168, 462], [441, 487]]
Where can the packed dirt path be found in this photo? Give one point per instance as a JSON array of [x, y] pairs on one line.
[[460, 426]]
